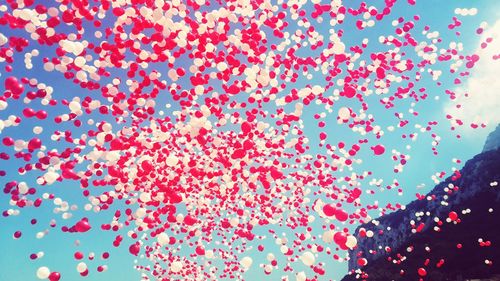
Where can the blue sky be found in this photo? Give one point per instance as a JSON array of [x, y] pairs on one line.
[[59, 247]]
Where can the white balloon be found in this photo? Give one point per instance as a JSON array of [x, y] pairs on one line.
[[3, 39], [176, 266], [37, 130], [51, 177], [308, 258], [80, 61], [141, 212], [22, 188], [162, 239], [3, 105], [172, 160], [43, 272], [351, 241], [81, 267], [74, 106], [209, 254], [328, 236], [19, 144], [344, 113], [145, 197], [246, 262], [301, 276], [221, 66]]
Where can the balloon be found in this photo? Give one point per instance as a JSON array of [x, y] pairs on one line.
[[422, 272], [246, 262], [308, 258], [79, 255], [329, 210], [41, 114], [8, 141], [14, 85], [81, 267], [189, 220], [34, 144], [340, 238], [29, 112], [200, 251], [176, 267], [172, 161], [453, 216], [301, 276], [134, 249], [17, 234], [162, 239], [344, 113], [362, 261], [82, 226], [341, 215], [54, 276], [351, 242], [378, 149], [43, 272]]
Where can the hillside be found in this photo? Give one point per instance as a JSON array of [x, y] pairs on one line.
[[410, 246]]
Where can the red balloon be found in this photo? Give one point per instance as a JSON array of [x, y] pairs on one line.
[[35, 143], [116, 144], [341, 215], [18, 234], [41, 114], [422, 272], [175, 198], [78, 255], [453, 216], [134, 249], [13, 85], [28, 112], [54, 276], [340, 238], [189, 220], [378, 149], [246, 127], [362, 262], [82, 226], [200, 251], [329, 210], [349, 92], [8, 141]]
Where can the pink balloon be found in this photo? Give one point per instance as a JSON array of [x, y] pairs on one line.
[[134, 249], [422, 272], [340, 238], [8, 141], [34, 144], [29, 112], [453, 216], [54, 276], [14, 85], [378, 149], [82, 226], [329, 210], [341, 215]]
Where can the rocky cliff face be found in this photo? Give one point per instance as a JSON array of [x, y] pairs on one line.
[[493, 140], [403, 241]]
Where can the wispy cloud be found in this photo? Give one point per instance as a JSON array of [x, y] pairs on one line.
[[479, 96]]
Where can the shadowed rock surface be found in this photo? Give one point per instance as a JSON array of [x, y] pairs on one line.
[[493, 140], [475, 190]]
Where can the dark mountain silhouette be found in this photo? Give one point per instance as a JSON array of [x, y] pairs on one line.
[[474, 189]]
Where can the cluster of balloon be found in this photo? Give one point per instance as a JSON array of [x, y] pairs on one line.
[[189, 125]]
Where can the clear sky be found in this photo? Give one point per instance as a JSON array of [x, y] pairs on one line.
[[59, 247]]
